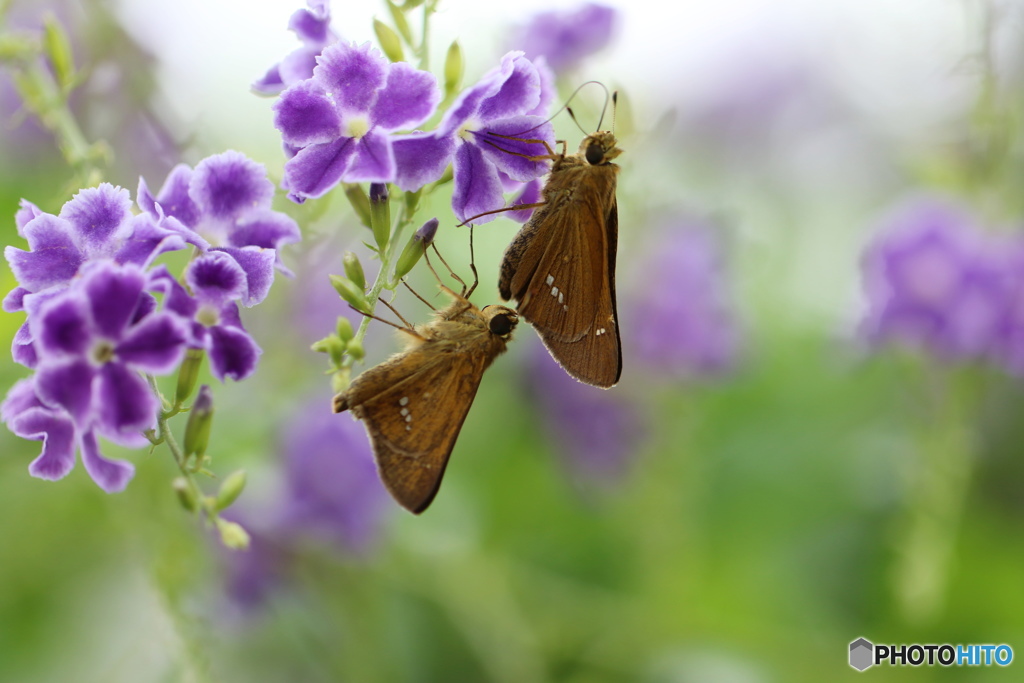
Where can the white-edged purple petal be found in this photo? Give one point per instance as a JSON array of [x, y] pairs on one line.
[[352, 75], [123, 401], [110, 475], [502, 145], [408, 99], [306, 115], [155, 345], [176, 299], [96, 213], [374, 160], [114, 295], [297, 65], [54, 257], [25, 213], [258, 265], [420, 158], [174, 197], [519, 93], [146, 201], [548, 90], [270, 83], [67, 385], [312, 25], [467, 104], [317, 169], [477, 186], [57, 432], [23, 350], [20, 398], [233, 353], [530, 194], [63, 326], [228, 185], [15, 300], [265, 228], [146, 241], [216, 278]]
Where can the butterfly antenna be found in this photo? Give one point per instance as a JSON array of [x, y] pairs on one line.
[[566, 108], [472, 264], [613, 97], [395, 311], [572, 116], [450, 271]]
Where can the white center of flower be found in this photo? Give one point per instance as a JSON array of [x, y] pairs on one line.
[[468, 127], [358, 126], [207, 316], [102, 351]]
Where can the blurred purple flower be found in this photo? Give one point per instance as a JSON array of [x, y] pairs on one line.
[[340, 121], [224, 205], [934, 281], [507, 101], [565, 38], [682, 324], [1009, 342], [216, 282], [596, 432], [333, 491], [313, 28]]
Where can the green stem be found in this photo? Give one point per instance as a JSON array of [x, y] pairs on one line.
[[166, 436], [428, 9]]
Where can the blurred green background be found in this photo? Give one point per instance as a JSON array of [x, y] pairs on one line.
[[763, 517]]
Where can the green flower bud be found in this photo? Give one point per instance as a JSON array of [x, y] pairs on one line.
[[232, 535], [389, 41], [453, 68], [229, 491], [58, 49], [415, 248], [355, 349], [341, 379], [380, 214], [343, 328], [398, 16], [360, 203], [354, 269], [186, 496], [350, 293], [200, 419], [188, 375]]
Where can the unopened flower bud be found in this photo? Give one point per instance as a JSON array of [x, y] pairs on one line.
[[188, 375], [415, 248], [186, 496], [343, 328], [229, 491], [380, 214], [453, 67], [357, 198], [232, 535], [354, 269], [389, 41], [200, 419], [355, 349], [350, 293]]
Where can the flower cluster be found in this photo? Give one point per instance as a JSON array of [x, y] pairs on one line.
[[344, 122], [101, 314], [935, 281]]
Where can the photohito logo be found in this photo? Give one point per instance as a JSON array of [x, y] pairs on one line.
[[865, 654]]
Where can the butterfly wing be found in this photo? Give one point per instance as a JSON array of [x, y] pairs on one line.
[[561, 270], [413, 406]]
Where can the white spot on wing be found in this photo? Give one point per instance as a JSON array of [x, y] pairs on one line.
[[550, 280], [560, 297], [405, 411], [404, 401], [554, 291]]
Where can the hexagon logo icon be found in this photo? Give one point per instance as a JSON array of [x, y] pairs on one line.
[[861, 651]]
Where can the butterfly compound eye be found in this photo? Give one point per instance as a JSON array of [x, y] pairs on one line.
[[501, 324], [595, 154]]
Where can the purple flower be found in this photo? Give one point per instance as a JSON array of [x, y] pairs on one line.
[[567, 37], [340, 121], [934, 281], [216, 282], [596, 432], [333, 492], [506, 102], [681, 324], [313, 27], [96, 224], [1009, 342], [91, 340], [224, 205]]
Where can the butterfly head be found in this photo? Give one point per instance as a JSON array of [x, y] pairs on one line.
[[501, 320], [599, 148]]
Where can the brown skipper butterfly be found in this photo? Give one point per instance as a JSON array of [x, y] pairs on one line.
[[414, 403], [560, 268]]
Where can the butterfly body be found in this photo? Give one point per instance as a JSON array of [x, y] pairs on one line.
[[560, 268], [414, 403]]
